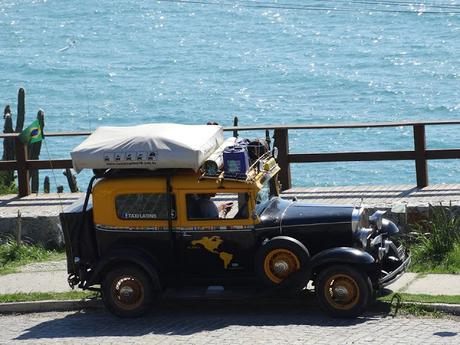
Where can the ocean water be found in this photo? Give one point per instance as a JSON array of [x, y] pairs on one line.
[[93, 63]]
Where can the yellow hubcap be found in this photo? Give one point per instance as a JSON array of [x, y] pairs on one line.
[[341, 291], [279, 264]]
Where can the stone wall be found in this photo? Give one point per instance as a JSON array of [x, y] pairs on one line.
[[39, 217], [45, 230]]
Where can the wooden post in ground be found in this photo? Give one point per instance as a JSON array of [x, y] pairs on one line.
[[19, 228]]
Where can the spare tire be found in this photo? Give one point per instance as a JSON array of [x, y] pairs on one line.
[[278, 258]]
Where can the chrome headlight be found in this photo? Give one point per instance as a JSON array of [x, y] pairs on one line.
[[376, 219], [359, 219]]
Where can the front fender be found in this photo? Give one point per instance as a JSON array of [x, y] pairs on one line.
[[122, 256], [342, 255]]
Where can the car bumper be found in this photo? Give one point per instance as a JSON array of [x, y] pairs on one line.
[[390, 277]]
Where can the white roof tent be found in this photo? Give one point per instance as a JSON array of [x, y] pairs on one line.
[[149, 146]]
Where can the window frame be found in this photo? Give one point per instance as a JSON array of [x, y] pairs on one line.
[[215, 222], [172, 198]]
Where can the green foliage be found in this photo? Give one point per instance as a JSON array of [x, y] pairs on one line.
[[415, 304], [13, 255], [449, 264], [5, 187], [421, 311], [420, 298], [437, 242], [44, 296]]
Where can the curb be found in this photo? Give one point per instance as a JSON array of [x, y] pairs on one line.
[[49, 305], [453, 309], [74, 305]]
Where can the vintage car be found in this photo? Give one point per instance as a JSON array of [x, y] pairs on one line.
[[139, 232]]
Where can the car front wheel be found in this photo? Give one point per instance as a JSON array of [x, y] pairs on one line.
[[343, 291], [127, 291]]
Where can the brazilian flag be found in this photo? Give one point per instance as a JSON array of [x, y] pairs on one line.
[[31, 134]]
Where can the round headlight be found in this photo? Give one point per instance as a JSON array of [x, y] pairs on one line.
[[376, 219], [359, 219]]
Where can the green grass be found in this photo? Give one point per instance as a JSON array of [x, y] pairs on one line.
[[413, 305], [450, 264], [436, 248], [419, 298], [43, 296], [421, 311], [13, 255]]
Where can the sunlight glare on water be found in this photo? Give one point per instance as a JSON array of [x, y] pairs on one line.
[[93, 63]]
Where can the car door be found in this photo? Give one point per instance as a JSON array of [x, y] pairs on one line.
[[216, 235]]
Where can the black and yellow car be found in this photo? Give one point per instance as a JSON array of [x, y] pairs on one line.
[[140, 232]]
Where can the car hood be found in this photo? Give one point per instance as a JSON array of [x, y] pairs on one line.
[[280, 212]]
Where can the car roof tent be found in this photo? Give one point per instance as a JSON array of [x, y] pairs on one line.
[[149, 146]]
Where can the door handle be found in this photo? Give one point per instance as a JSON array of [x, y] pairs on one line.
[[186, 234]]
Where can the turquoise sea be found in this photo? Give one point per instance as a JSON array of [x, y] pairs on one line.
[[93, 63]]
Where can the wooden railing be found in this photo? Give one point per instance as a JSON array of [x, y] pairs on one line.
[[419, 153], [23, 165]]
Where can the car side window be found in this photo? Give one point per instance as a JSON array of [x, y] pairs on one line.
[[206, 206], [144, 206]]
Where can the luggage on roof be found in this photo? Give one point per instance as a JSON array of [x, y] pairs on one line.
[[149, 146]]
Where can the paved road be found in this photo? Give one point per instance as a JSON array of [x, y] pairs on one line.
[[214, 323]]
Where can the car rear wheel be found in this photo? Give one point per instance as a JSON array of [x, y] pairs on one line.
[[343, 291], [127, 291], [279, 258]]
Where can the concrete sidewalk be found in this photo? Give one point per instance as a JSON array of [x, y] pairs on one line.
[[52, 277], [48, 276]]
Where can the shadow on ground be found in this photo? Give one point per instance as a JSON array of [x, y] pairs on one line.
[[190, 317]]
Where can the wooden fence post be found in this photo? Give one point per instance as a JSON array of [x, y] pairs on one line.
[[46, 185], [235, 124], [34, 153], [421, 167], [267, 138], [282, 144], [23, 172]]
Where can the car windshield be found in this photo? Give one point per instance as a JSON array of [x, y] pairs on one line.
[[263, 197]]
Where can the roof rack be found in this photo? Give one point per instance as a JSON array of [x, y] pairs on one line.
[[254, 170]]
